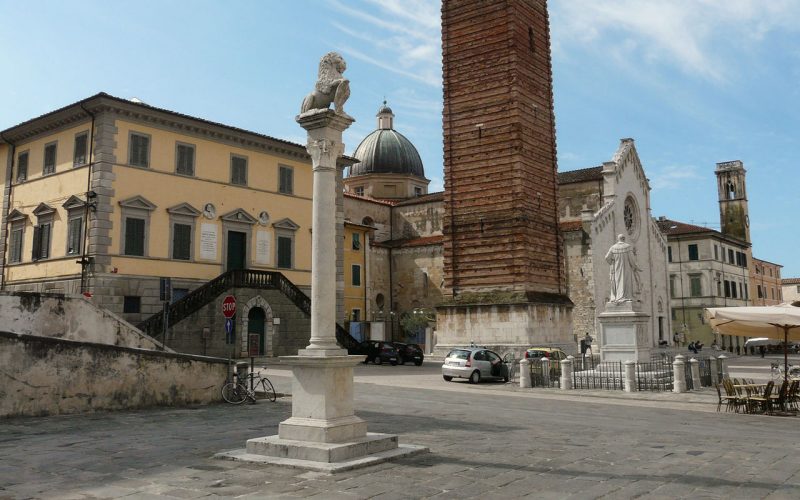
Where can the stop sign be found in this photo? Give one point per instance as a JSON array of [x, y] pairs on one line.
[[229, 306]]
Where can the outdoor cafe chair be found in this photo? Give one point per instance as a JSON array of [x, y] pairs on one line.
[[792, 396], [736, 400], [779, 400], [764, 401], [730, 401]]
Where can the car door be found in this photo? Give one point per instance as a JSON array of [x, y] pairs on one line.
[[480, 362], [495, 364]]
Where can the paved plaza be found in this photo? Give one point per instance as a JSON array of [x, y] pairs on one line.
[[487, 441]]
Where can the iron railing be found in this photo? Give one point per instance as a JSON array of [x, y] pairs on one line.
[[237, 278], [605, 375], [655, 376], [544, 373]]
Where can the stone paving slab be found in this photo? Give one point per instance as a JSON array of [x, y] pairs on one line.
[[486, 441]]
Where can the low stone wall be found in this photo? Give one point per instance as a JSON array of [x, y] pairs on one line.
[[49, 376], [69, 317]]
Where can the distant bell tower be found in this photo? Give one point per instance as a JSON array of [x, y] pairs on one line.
[[733, 214]]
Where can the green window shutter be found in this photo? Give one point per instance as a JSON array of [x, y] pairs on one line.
[[22, 167], [134, 236], [286, 178], [37, 239], [139, 148], [74, 231], [185, 160], [79, 156], [49, 159], [44, 241], [356, 275], [238, 171], [181, 241], [284, 252], [16, 245]]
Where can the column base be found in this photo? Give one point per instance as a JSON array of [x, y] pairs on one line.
[[323, 457]]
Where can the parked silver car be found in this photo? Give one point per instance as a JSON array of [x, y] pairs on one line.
[[475, 364]]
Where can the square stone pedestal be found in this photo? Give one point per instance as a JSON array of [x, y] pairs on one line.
[[624, 333], [323, 433]]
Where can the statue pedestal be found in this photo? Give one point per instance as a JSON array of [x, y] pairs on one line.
[[624, 333], [323, 433]]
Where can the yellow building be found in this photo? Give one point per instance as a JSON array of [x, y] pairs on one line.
[[106, 195], [356, 266]]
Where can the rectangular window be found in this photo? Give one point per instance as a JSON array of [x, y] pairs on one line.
[[798, 288], [184, 159], [746, 292], [356, 241], [139, 150], [22, 167], [181, 241], [49, 159], [672, 289], [696, 285], [674, 314], [716, 252], [355, 277], [669, 254], [80, 151], [727, 288], [134, 236], [770, 272], [693, 252], [759, 292], [359, 190], [417, 191], [730, 256], [284, 252], [286, 180], [719, 287], [41, 242], [239, 170], [734, 292], [74, 232], [772, 292], [16, 245], [131, 304]]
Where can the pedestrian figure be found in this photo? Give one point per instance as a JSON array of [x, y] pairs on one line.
[[762, 350]]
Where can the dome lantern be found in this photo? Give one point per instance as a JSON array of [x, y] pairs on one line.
[[385, 117]]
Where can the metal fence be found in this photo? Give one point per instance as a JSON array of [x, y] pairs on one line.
[[657, 375], [545, 373], [606, 375]]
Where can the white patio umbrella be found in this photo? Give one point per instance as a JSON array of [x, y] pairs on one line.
[[781, 322]]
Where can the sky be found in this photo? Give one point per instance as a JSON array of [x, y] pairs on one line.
[[694, 82]]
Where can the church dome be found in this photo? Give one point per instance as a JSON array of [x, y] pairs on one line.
[[386, 151]]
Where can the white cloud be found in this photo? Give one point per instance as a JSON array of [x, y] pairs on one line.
[[401, 36], [674, 177], [701, 37]]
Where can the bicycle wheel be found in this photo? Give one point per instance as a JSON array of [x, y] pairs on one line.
[[233, 393], [269, 391]]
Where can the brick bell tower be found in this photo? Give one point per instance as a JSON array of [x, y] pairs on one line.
[[503, 262], [733, 213]]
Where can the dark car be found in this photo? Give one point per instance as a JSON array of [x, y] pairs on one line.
[[408, 353], [378, 352]]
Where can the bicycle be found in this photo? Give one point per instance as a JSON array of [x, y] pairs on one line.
[[777, 371], [238, 392]]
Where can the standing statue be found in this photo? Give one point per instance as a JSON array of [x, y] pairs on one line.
[[331, 87], [624, 272]]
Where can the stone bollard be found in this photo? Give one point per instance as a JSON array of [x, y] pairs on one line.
[[566, 374], [723, 367], [546, 371], [630, 376], [694, 366], [714, 370], [524, 373], [678, 374]]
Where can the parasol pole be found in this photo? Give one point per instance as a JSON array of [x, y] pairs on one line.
[[785, 353]]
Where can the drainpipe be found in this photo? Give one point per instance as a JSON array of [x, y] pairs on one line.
[[391, 273], [84, 262], [6, 209]]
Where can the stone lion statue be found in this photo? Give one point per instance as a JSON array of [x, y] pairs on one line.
[[331, 85]]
